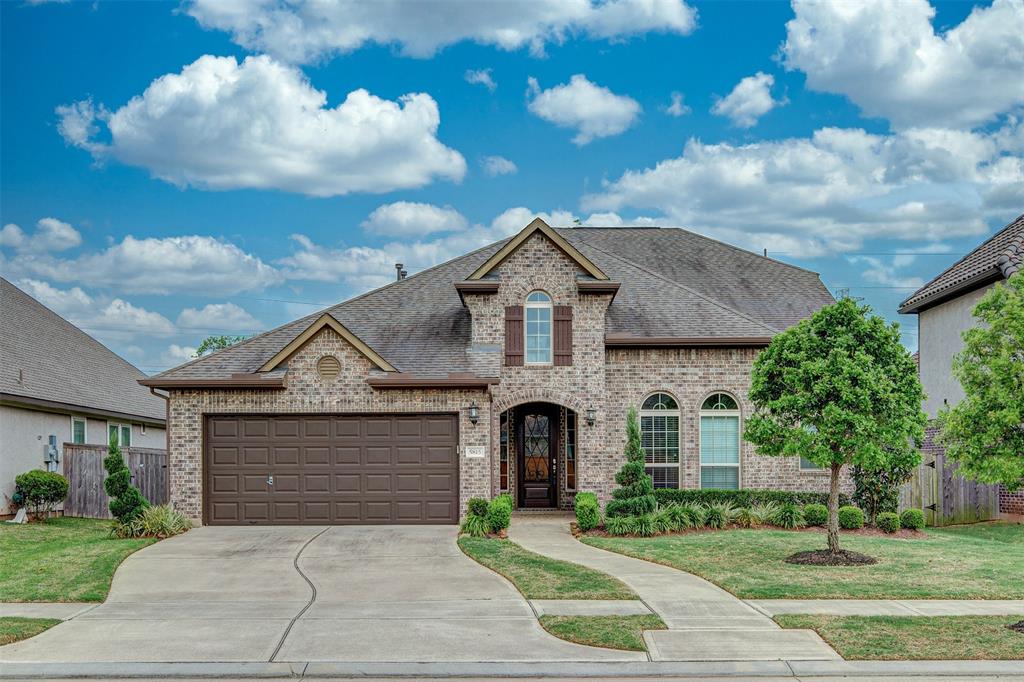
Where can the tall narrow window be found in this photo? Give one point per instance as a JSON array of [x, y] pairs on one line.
[[503, 452], [570, 450], [123, 433], [78, 434], [659, 433], [538, 328], [720, 442]]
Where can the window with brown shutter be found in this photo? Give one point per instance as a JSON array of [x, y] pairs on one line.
[[514, 336], [563, 334]]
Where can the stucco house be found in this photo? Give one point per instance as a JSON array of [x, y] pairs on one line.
[[59, 385], [510, 368], [945, 309]]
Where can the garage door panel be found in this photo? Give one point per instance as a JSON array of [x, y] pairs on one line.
[[329, 469]]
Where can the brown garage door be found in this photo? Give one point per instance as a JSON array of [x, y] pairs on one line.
[[294, 469]]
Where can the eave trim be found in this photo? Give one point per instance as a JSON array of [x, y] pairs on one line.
[[28, 402], [612, 341], [452, 381], [246, 381], [326, 320], [513, 245], [942, 295]]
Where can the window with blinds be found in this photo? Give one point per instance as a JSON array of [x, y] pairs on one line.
[[720, 443], [659, 436]]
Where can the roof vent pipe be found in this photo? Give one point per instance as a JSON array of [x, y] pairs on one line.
[[400, 273]]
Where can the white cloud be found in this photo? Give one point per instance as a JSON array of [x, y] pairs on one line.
[[218, 317], [222, 125], [304, 31], [481, 77], [50, 235], [829, 192], [677, 108], [749, 100], [176, 355], [409, 219], [594, 111], [498, 165], [887, 58], [878, 271]]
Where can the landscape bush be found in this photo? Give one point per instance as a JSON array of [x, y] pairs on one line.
[[40, 491], [477, 506], [850, 517], [912, 519], [741, 498], [620, 525], [719, 514], [815, 514], [667, 521], [162, 521], [635, 494], [789, 515], [499, 513], [879, 491], [475, 526], [126, 501], [588, 511], [888, 521]]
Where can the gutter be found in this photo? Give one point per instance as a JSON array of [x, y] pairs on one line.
[[15, 400], [943, 295], [621, 341], [452, 381], [241, 381]]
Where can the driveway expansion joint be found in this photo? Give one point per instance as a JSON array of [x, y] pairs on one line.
[[312, 598]]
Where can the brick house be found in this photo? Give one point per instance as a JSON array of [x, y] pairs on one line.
[[510, 368]]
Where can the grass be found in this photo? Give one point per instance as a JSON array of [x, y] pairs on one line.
[[610, 632], [538, 577], [980, 561], [61, 559], [16, 629], [899, 638]]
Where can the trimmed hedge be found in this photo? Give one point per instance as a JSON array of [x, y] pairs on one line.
[[816, 514], [477, 506], [912, 519], [888, 521], [499, 512], [850, 517], [40, 491], [588, 511], [741, 498]]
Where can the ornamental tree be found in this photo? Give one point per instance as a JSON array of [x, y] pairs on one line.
[[984, 432], [126, 501], [635, 496], [839, 389]]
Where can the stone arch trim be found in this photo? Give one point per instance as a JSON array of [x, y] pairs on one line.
[[539, 395]]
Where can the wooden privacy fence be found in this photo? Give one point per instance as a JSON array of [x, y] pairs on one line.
[[83, 467], [945, 497]]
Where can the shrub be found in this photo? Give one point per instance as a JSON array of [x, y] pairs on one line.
[[588, 511], [850, 517], [644, 525], [665, 521], [620, 525], [161, 521], [477, 506], [816, 514], [740, 498], [888, 521], [635, 496], [719, 514], [126, 501], [40, 491], [474, 526], [499, 513], [684, 515], [912, 519], [879, 491], [789, 515]]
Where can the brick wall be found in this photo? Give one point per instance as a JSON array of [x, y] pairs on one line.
[[1011, 503]]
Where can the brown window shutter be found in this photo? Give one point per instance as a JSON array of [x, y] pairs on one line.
[[514, 336], [563, 334]]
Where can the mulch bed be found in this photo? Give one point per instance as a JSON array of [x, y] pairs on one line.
[[903, 533], [823, 557], [1017, 627]]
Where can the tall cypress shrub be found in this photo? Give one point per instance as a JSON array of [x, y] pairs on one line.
[[635, 494], [126, 501]]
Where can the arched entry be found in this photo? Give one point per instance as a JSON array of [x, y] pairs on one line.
[[538, 453]]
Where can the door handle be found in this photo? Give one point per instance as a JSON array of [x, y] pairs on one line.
[[270, 480]]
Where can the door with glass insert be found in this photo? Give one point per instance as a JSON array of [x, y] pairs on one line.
[[537, 445]]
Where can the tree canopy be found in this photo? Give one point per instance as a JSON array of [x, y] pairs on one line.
[[215, 343]]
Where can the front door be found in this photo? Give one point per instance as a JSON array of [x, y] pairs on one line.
[[537, 455]]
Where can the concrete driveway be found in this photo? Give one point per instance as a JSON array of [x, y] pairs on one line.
[[340, 593]]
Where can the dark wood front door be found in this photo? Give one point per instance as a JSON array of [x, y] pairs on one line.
[[537, 451]]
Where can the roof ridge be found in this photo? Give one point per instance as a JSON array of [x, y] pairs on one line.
[[687, 289]]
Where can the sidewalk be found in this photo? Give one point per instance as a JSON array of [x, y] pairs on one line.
[[891, 607]]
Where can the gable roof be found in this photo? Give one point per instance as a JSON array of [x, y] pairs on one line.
[[513, 244], [325, 321], [674, 284], [46, 359], [998, 257]]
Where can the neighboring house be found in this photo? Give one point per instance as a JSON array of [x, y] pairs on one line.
[[510, 368], [57, 382], [945, 309]]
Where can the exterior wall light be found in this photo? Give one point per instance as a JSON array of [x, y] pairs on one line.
[[591, 416], [474, 413]]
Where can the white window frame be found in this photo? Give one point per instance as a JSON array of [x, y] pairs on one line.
[[547, 305], [85, 429], [738, 413], [120, 426], [664, 412]]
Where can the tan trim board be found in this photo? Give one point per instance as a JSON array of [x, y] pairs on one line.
[[13, 400], [598, 287], [246, 381], [453, 382], [327, 320], [611, 341], [513, 244]]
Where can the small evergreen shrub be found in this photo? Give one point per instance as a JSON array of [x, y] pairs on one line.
[[879, 491], [816, 514], [850, 517], [635, 494], [588, 511], [644, 525], [499, 513], [126, 501], [665, 521], [40, 491], [789, 515], [912, 519], [719, 514], [620, 525], [475, 526], [161, 521], [683, 516], [746, 519], [477, 506], [748, 497], [888, 521], [763, 513]]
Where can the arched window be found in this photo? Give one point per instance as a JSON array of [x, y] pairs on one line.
[[659, 434], [720, 442], [538, 328]]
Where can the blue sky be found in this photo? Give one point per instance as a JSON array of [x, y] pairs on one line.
[[173, 170]]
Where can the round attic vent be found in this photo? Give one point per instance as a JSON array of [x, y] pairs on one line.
[[328, 367]]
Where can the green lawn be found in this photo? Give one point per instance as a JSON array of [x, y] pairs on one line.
[[610, 632], [60, 559], [915, 637], [981, 561], [539, 577], [17, 629]]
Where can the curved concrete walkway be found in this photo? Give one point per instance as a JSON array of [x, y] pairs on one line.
[[398, 594], [705, 622]]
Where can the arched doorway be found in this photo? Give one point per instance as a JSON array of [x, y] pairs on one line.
[[538, 455]]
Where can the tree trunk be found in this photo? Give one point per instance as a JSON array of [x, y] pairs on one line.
[[833, 510]]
